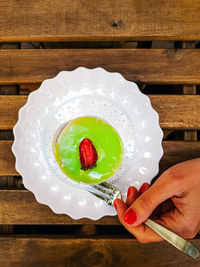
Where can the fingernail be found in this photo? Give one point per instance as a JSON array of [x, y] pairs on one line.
[[143, 188], [130, 217], [129, 191], [115, 205]]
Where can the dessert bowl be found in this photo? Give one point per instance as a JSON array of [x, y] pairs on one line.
[[75, 94], [88, 149]]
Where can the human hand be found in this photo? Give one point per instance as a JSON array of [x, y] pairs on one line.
[[173, 201]]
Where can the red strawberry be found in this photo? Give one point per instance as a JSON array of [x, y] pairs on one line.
[[88, 154]]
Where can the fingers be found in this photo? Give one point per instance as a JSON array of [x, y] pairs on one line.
[[144, 234], [144, 188], [120, 207], [141, 232], [141, 205], [144, 205], [156, 212], [131, 195]]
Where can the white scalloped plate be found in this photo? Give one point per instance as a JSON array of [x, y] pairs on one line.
[[91, 92]]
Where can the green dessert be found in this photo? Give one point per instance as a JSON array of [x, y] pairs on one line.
[[88, 150]]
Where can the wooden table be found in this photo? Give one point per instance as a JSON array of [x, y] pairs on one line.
[[116, 35]]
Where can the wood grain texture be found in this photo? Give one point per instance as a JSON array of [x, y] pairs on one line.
[[7, 159], [189, 89], [99, 20], [109, 252], [190, 135], [167, 66], [178, 151], [8, 181], [20, 207], [31, 212], [9, 107], [175, 111]]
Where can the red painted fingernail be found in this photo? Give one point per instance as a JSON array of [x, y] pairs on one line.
[[115, 205], [130, 216], [143, 188], [129, 191]]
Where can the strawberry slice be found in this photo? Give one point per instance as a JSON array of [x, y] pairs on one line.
[[88, 154]]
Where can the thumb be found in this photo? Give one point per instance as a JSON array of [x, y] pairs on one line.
[[145, 204]]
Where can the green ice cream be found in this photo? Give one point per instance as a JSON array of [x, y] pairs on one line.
[[106, 141]]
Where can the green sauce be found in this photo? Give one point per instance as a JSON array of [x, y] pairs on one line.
[[106, 141]]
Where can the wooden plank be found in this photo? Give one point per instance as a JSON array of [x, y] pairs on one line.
[[9, 106], [99, 20], [178, 151], [175, 111], [31, 212], [62, 251], [7, 159], [167, 66], [9, 181], [190, 135]]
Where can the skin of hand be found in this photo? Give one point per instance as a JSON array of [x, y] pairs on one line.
[[173, 201]]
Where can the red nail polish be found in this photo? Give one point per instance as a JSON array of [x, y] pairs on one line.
[[115, 205], [129, 191], [130, 217], [143, 188]]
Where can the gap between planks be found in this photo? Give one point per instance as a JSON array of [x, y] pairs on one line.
[[189, 135], [5, 181]]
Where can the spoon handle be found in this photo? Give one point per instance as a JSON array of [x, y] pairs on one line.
[[174, 239]]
